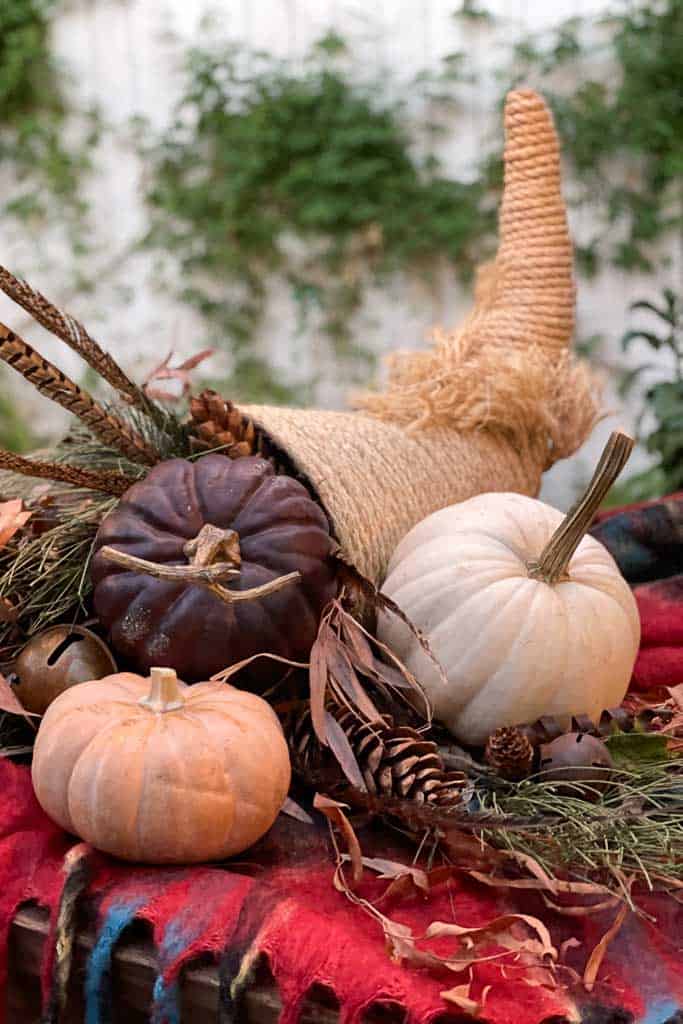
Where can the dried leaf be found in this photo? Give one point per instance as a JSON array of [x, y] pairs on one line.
[[582, 911], [341, 748], [590, 974], [334, 812], [499, 930], [572, 943], [228, 673], [8, 611], [294, 810], [460, 997], [340, 668], [12, 517], [318, 679], [556, 885], [181, 373], [631, 749], [677, 695], [357, 642], [10, 703], [380, 602], [394, 869]]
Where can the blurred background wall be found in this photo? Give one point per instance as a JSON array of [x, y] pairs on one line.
[[118, 67]]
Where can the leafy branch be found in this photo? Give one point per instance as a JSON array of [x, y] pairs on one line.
[[662, 400], [308, 173]]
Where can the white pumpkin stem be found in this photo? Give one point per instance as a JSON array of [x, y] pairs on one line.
[[164, 693], [553, 564]]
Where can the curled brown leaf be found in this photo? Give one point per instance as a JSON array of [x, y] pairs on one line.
[[501, 931], [334, 812], [594, 964]]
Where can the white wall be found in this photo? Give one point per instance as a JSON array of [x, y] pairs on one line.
[[124, 57]]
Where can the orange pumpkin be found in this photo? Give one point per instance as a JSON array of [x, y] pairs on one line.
[[153, 770]]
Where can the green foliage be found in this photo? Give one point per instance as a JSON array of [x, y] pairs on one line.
[[620, 116], [662, 401], [33, 112], [631, 749], [15, 432], [308, 173]]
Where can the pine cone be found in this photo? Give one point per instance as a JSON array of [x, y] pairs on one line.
[[510, 753], [395, 761], [216, 423]]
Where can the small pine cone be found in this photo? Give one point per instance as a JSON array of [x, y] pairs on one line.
[[510, 753], [216, 423]]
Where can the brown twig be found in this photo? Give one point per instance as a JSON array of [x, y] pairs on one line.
[[72, 331], [54, 384], [206, 576], [107, 481]]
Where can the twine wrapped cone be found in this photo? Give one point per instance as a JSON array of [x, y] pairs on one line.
[[489, 407]]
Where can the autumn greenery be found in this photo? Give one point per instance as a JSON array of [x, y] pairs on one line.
[[325, 176], [45, 170], [306, 173]]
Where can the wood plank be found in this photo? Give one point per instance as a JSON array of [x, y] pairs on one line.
[[134, 972]]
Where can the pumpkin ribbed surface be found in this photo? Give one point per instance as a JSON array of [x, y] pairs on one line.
[[200, 782], [513, 648], [183, 625]]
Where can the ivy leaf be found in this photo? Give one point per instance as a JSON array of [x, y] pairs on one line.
[[653, 340], [631, 749]]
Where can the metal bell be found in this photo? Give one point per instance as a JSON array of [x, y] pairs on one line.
[[580, 761], [53, 661]]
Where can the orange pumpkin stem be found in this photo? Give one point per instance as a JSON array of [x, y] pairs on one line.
[[164, 694], [553, 564]]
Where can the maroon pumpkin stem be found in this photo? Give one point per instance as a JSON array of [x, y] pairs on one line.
[[210, 544]]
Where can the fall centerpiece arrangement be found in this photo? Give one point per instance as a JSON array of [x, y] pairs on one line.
[[403, 625]]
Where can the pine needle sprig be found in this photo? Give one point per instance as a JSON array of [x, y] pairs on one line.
[[54, 384], [45, 578], [634, 828], [73, 333], [82, 447]]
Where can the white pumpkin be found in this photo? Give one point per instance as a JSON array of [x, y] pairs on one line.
[[516, 639]]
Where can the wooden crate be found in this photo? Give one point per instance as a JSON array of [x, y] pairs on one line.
[[134, 971]]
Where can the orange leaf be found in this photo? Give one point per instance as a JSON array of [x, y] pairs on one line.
[[9, 701], [598, 955], [334, 812], [12, 517]]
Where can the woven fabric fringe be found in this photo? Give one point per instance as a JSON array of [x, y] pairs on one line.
[[60, 945], [288, 911]]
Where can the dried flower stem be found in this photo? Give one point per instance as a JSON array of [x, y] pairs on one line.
[[50, 381]]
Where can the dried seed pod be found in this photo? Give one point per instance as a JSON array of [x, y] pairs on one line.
[[53, 661], [581, 761]]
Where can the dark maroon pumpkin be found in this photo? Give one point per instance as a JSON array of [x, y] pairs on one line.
[[183, 625]]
